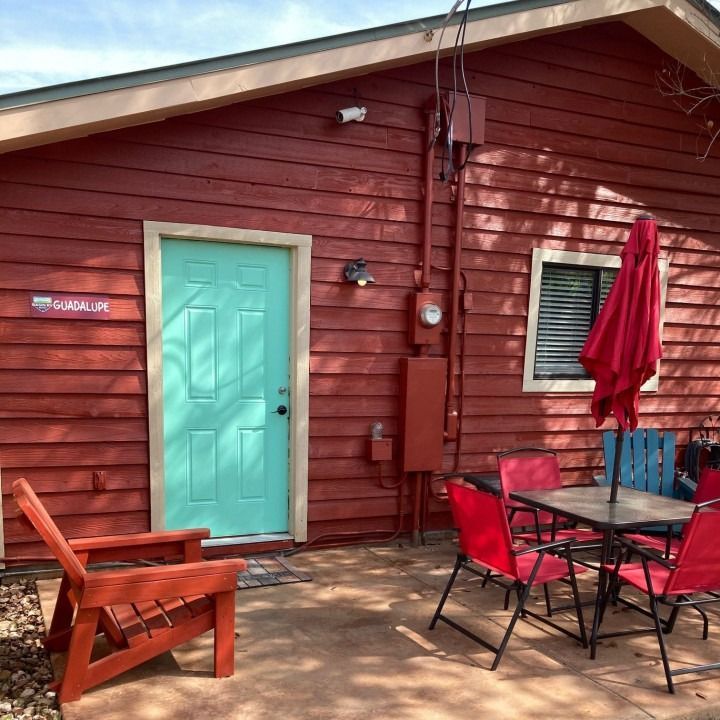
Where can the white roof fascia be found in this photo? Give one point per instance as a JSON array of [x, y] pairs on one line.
[[666, 22]]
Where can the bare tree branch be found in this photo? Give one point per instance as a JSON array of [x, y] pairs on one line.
[[695, 100]]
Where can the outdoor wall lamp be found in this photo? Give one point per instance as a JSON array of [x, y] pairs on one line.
[[356, 272]]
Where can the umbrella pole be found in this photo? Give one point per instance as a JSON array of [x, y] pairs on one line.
[[615, 484]]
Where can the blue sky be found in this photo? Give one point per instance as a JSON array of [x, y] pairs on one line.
[[44, 42]]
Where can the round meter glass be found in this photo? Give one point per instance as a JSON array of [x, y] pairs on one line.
[[430, 315]]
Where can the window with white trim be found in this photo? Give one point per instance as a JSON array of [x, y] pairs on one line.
[[567, 290]]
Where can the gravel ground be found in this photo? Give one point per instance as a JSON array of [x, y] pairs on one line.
[[25, 669]]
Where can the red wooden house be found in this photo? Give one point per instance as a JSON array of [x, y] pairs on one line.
[[180, 342]]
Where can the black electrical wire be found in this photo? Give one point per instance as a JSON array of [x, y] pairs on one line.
[[460, 40], [438, 100], [448, 168], [465, 85]]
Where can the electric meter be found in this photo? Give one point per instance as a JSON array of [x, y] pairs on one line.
[[425, 318], [430, 315]]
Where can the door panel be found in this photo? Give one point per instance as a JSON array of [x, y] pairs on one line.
[[225, 356]]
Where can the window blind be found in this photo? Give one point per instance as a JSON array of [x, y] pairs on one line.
[[570, 299]]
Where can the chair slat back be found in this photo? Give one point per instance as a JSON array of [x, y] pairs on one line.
[[527, 469], [33, 509], [484, 531], [647, 461], [698, 559]]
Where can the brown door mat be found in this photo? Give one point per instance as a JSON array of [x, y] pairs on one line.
[[264, 571]]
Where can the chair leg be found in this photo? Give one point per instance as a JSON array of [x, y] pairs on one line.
[[610, 594], [458, 564], [661, 641], [546, 592], [486, 577], [670, 622], [58, 638], [578, 604], [78, 659], [523, 593], [519, 592], [705, 620], [225, 634]]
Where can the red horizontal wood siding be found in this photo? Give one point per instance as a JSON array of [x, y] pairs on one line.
[[578, 143]]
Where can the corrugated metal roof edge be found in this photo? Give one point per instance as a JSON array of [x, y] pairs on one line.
[[225, 62]]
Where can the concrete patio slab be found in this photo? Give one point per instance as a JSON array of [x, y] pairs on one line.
[[354, 643]]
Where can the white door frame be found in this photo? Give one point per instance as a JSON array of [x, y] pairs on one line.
[[299, 246]]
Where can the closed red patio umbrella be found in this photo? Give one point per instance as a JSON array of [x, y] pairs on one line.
[[623, 347]]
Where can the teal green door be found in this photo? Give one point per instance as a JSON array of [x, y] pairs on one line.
[[225, 374]]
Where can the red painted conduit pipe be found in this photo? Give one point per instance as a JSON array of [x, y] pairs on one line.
[[451, 406], [427, 219], [422, 478], [452, 430], [335, 539]]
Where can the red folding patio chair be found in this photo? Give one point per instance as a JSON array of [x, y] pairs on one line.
[[530, 468], [691, 580], [708, 487], [486, 544], [537, 469]]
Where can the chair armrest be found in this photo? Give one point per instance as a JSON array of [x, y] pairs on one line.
[[488, 482], [687, 487], [138, 539], [108, 587], [136, 546], [644, 552], [544, 546], [707, 503]]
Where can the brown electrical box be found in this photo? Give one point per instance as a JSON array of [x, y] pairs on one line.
[[379, 449], [466, 117], [422, 412]]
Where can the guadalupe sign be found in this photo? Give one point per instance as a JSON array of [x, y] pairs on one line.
[[65, 305]]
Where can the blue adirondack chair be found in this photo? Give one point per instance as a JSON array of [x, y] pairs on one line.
[[647, 462]]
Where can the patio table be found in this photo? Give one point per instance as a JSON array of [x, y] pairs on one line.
[[589, 505]]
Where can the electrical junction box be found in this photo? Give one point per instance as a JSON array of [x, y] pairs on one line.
[[379, 449], [422, 412], [468, 119]]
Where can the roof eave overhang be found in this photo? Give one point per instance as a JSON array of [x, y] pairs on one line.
[[683, 32], [676, 26]]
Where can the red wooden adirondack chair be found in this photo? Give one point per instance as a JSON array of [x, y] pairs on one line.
[[141, 611]]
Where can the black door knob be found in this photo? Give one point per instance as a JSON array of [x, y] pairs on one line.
[[281, 410]]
